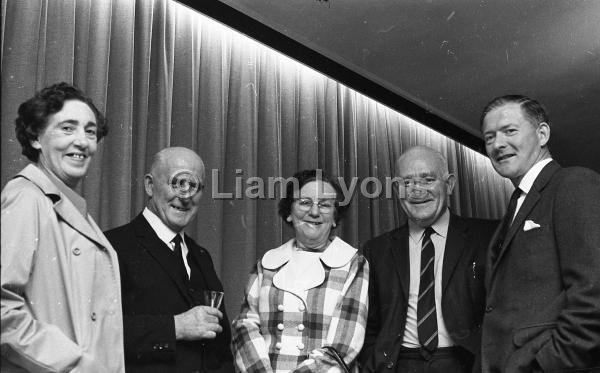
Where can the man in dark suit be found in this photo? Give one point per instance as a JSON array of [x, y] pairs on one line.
[[426, 292], [164, 273], [543, 277]]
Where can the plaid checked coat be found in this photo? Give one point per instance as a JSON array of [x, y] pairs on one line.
[[281, 329]]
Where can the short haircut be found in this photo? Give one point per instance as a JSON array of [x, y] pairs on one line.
[[33, 115], [533, 110], [293, 190]]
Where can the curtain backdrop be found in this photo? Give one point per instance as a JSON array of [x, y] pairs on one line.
[[166, 75]]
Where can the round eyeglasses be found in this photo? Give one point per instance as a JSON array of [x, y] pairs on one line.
[[325, 206]]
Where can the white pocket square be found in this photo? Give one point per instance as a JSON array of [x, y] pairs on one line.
[[529, 225]]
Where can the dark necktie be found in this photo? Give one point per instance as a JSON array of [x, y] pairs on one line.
[[179, 257], [426, 314], [506, 222]]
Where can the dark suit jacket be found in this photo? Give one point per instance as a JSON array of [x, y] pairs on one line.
[[462, 289], [152, 294], [544, 288]]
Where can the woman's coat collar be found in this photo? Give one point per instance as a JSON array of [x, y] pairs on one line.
[[337, 254]]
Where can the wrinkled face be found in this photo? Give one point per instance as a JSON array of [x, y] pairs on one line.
[[512, 142], [424, 189], [68, 142], [172, 198], [313, 223]]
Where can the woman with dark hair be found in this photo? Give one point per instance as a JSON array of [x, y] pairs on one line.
[[61, 295], [305, 307]]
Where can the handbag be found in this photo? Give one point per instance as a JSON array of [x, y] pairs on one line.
[[332, 352]]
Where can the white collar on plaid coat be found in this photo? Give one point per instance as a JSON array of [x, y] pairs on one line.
[[337, 255]]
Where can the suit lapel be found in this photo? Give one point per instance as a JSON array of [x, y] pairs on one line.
[[531, 199], [398, 249], [199, 256], [488, 258], [157, 249], [456, 241], [64, 207]]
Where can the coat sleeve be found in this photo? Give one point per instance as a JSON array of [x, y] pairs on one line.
[[347, 328], [149, 337], [250, 352], [576, 219], [27, 342]]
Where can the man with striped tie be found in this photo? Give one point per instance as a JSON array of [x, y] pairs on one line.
[[426, 291]]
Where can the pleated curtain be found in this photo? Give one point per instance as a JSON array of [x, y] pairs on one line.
[[166, 75]]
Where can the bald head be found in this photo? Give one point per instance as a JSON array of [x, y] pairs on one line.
[[178, 157], [425, 154], [174, 186], [425, 185]]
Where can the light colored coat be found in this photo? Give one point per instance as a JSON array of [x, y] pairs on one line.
[[61, 297]]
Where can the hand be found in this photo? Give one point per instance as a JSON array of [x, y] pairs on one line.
[[200, 322]]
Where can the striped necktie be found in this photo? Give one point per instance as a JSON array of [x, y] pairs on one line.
[[426, 314]]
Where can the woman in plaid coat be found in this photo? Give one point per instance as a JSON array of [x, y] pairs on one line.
[[306, 301]]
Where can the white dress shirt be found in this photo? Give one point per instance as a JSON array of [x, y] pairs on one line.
[[411, 336], [528, 180], [166, 235]]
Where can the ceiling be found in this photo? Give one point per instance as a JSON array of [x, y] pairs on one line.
[[450, 57]]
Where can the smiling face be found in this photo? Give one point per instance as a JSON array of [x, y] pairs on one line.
[[313, 226], [175, 209], [68, 142], [426, 187], [512, 142]]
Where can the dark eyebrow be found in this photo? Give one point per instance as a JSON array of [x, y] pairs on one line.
[[74, 122]]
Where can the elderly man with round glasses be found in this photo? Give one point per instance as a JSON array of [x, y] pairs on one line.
[[306, 301]]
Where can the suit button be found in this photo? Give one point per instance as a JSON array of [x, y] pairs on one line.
[[390, 365], [301, 308], [488, 309], [300, 327], [280, 307], [76, 251], [278, 345], [300, 346], [280, 326], [93, 316]]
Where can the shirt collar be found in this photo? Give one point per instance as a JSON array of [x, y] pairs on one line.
[[75, 198], [162, 231], [440, 227], [336, 255], [527, 180]]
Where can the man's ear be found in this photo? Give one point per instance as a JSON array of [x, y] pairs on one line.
[[543, 132], [149, 184], [450, 182]]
